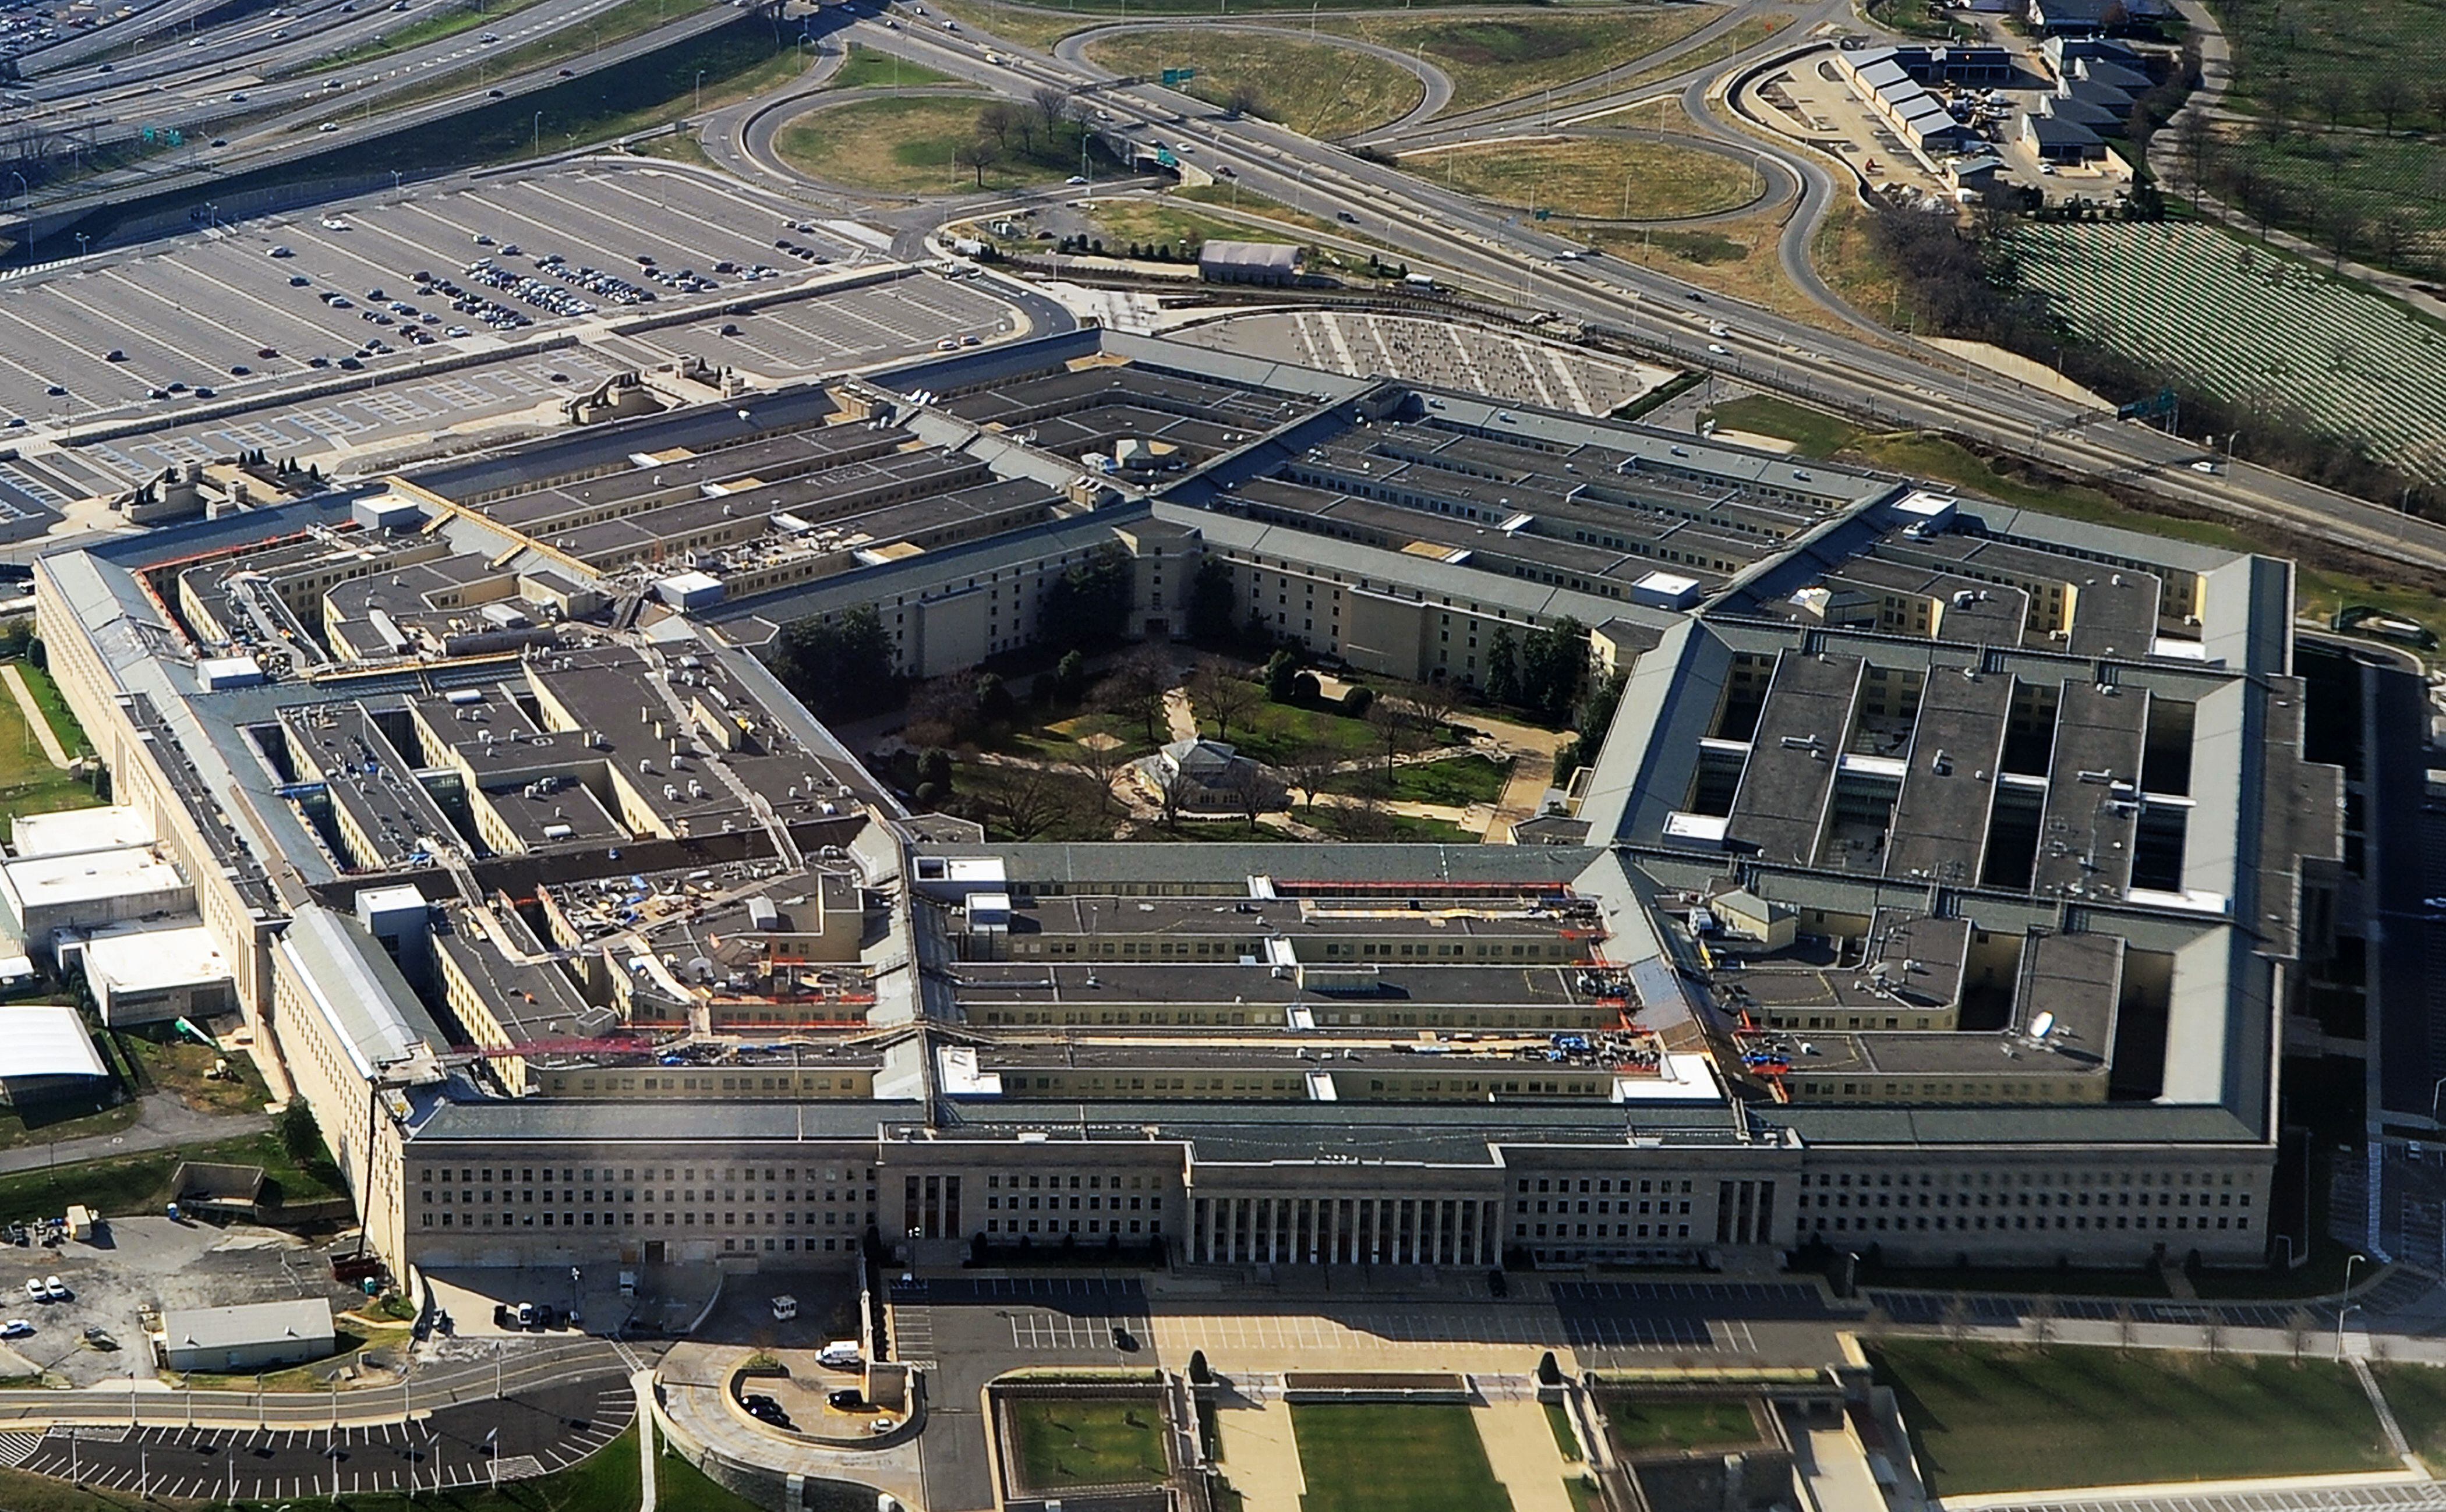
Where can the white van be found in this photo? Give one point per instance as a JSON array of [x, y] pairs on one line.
[[841, 1354], [785, 1309]]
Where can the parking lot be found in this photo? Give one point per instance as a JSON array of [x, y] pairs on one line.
[[337, 287], [140, 1263], [530, 1434]]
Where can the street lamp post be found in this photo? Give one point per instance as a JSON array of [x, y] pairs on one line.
[[2344, 1306], [538, 133], [700, 92]]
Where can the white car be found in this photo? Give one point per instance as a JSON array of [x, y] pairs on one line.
[[15, 1328], [1718, 348], [56, 1289], [34, 1289], [1074, 179]]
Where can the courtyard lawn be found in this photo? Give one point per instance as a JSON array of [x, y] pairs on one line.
[[1277, 733], [1456, 781], [1638, 1426], [2418, 1394], [1394, 1458], [872, 69], [1077, 1442], [2004, 1418]]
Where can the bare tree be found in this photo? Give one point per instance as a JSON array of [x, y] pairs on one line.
[[1099, 762], [1241, 101], [1957, 1320], [1433, 702], [1135, 688], [1026, 802], [1308, 770], [1221, 694], [1252, 792], [976, 157], [2433, 98], [2298, 1327], [998, 120], [2390, 96], [1396, 730], [2212, 1335], [2127, 1327], [1049, 103], [1171, 791], [2042, 1312], [2333, 95]]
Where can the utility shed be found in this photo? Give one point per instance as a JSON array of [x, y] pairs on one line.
[[44, 1051], [252, 1337]]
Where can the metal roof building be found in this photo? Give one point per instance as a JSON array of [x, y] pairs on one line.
[[247, 1338]]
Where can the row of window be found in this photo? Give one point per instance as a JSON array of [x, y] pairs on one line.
[[2019, 1222], [2159, 1198], [1620, 1230], [526, 1174], [1053, 1225], [1604, 1185], [851, 1219], [1604, 1206], [2061, 1179]]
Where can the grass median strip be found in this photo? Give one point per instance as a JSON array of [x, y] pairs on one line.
[[1987, 1418], [1594, 179]]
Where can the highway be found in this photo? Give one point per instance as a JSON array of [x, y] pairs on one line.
[[1492, 252], [251, 94]]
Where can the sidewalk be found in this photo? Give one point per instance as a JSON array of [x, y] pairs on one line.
[[35, 719]]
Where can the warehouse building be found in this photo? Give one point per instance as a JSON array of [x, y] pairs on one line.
[[248, 1338]]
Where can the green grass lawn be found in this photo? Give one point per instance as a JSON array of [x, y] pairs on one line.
[[1638, 1426], [1394, 1458], [1990, 1418], [905, 145], [2418, 1394], [680, 1486], [1595, 180], [1813, 432], [1558, 1422], [1060, 740], [1507, 57], [1277, 733], [872, 69], [633, 18], [1456, 781], [140, 1183], [1079, 1441], [1315, 89], [29, 782]]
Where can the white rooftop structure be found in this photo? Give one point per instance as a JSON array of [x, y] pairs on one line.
[[44, 893], [79, 830], [122, 962], [45, 1039]]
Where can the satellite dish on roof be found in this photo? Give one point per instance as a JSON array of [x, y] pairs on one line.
[[2044, 1024]]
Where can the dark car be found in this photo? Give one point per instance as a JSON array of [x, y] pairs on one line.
[[847, 1399], [350, 364], [1496, 1285], [203, 392], [239, 370], [220, 141], [298, 280], [1345, 218], [1125, 1341], [56, 391], [500, 1314], [545, 1316]]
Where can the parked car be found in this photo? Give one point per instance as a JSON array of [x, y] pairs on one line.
[[15, 1328]]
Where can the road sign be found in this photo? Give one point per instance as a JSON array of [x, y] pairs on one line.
[[1177, 76], [1164, 159], [2161, 402], [1545, 215]]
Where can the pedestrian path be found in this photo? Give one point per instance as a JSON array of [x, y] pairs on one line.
[[35, 720]]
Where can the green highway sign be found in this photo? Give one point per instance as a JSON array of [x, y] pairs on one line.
[[1177, 76], [1164, 159], [1545, 215]]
